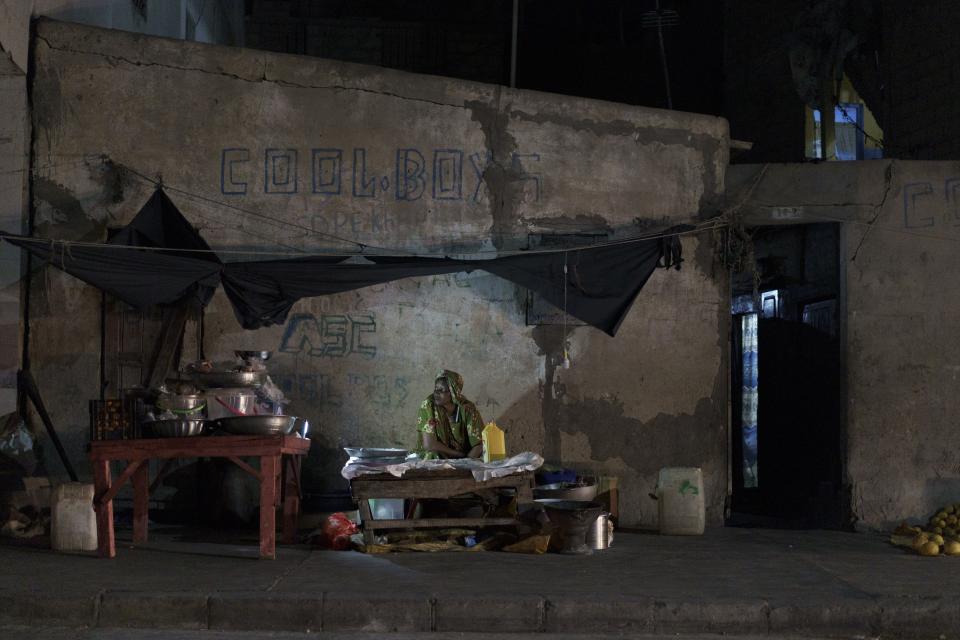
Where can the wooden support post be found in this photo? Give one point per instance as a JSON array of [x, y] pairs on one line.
[[291, 498], [166, 347], [141, 502], [101, 478], [268, 505]]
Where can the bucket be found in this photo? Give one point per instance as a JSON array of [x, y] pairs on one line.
[[73, 523], [227, 403], [680, 501], [600, 533]]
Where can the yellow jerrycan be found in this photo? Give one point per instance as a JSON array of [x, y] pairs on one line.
[[494, 446]]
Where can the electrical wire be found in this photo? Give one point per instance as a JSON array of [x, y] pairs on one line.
[[66, 244], [257, 214], [390, 251]]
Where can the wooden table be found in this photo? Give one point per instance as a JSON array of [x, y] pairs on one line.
[[425, 483], [279, 477]]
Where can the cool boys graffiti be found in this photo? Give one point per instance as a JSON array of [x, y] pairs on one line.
[[440, 174]]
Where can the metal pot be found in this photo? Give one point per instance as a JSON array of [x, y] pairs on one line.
[[228, 403], [599, 535], [185, 406], [566, 491]]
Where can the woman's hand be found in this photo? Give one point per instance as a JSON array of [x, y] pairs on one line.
[[430, 443]]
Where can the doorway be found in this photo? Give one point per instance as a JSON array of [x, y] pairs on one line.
[[788, 444]]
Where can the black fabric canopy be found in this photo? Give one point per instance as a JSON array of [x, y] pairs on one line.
[[600, 282]]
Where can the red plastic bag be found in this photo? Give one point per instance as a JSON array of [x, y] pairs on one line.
[[336, 531]]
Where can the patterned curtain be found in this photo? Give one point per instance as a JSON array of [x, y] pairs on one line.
[[749, 405]]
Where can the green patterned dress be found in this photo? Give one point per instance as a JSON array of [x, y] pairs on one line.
[[462, 431]]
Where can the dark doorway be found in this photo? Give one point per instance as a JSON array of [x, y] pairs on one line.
[[788, 445]]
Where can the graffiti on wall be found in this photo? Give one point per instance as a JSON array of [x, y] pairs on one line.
[[927, 204], [439, 174], [383, 391], [330, 335], [316, 388]]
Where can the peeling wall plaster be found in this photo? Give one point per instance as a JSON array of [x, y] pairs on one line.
[[356, 152]]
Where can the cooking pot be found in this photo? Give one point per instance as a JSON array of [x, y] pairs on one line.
[[600, 534], [184, 406], [229, 403]]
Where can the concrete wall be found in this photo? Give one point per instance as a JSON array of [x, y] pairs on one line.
[[221, 21], [14, 142], [900, 229], [314, 145]]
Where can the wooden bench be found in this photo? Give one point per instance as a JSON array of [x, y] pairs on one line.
[[439, 483], [279, 477]]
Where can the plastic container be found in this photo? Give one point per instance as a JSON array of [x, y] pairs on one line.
[[73, 522], [386, 508], [680, 501], [494, 444]]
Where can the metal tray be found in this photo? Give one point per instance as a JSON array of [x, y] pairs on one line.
[[257, 425], [221, 379], [367, 453]]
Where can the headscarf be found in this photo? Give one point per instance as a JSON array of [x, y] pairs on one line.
[[464, 432]]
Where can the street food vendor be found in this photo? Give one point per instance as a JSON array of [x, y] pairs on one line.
[[449, 425]]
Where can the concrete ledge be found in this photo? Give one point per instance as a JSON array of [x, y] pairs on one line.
[[718, 616], [488, 613], [376, 613], [261, 611], [45, 609], [919, 617], [849, 618], [567, 614], [901, 617], [153, 610]]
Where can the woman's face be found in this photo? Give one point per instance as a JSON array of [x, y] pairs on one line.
[[441, 392]]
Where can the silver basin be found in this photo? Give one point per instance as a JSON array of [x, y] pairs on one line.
[[176, 428], [257, 425], [221, 379]]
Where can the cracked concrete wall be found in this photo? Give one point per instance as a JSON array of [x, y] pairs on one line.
[[269, 152], [903, 359]]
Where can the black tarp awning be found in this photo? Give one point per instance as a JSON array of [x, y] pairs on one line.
[[596, 284]]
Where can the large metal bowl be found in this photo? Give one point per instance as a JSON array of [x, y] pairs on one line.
[[263, 356], [257, 425], [565, 491], [372, 453], [175, 428], [221, 379], [186, 406]]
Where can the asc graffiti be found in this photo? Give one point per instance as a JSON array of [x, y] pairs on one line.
[[330, 335]]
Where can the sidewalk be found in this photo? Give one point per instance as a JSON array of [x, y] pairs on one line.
[[735, 581]]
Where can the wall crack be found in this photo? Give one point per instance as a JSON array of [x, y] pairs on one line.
[[257, 80], [888, 184]]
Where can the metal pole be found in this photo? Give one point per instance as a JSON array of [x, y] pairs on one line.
[[663, 59], [513, 43]]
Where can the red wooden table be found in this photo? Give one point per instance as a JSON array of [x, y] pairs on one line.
[[279, 477]]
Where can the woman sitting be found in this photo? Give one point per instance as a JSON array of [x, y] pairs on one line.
[[449, 425]]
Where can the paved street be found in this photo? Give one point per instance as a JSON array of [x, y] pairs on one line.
[[732, 581]]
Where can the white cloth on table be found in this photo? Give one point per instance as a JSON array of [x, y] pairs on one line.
[[482, 471]]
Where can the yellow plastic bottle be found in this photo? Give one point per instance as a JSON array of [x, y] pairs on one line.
[[494, 445]]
